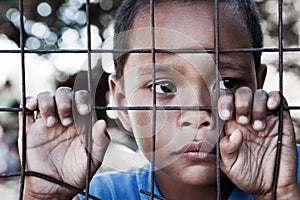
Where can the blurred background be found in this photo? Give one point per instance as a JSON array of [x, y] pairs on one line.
[[61, 24]]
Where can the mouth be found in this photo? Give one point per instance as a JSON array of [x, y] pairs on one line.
[[199, 151]]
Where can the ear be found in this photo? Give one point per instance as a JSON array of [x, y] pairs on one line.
[[118, 99], [261, 75]]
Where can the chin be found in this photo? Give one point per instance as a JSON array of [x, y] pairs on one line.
[[199, 181], [195, 176]]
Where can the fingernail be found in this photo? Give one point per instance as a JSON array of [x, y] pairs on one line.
[[225, 114], [83, 109], [258, 125], [271, 103], [67, 121], [234, 135], [51, 121], [30, 102], [243, 120]]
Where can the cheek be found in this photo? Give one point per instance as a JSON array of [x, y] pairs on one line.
[[140, 119], [166, 127], [142, 122]]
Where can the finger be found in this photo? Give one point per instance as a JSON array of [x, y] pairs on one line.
[[31, 106], [259, 109], [100, 140], [274, 100], [229, 146], [47, 108], [83, 102], [225, 106], [243, 104], [63, 98]]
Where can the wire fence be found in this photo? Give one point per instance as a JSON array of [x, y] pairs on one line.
[[89, 51]]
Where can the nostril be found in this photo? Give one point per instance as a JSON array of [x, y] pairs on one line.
[[186, 124], [195, 120]]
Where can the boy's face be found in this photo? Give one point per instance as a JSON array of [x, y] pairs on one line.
[[185, 139]]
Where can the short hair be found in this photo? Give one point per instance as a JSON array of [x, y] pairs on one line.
[[129, 8]]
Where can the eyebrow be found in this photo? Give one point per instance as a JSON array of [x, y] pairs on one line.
[[236, 67], [148, 70], [223, 66], [189, 49]]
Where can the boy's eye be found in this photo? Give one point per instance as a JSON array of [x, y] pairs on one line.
[[228, 84], [164, 87]]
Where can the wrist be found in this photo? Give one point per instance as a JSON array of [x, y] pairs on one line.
[[292, 192], [34, 196]]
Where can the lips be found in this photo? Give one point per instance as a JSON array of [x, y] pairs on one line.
[[199, 151]]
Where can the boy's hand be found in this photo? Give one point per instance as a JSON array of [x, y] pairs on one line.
[[248, 149], [56, 142]]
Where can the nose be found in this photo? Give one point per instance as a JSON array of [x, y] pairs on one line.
[[197, 95], [196, 119]]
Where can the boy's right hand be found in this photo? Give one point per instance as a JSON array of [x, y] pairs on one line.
[[56, 142]]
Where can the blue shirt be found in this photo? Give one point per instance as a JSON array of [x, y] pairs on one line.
[[127, 185]]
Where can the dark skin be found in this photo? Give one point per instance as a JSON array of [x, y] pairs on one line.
[[58, 149], [250, 114]]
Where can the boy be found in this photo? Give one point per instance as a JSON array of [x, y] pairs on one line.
[[185, 157]]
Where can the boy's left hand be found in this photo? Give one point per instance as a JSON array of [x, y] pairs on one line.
[[248, 149]]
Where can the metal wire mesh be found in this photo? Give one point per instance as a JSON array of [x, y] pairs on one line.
[[154, 108]]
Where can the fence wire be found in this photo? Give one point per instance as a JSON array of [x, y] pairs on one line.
[[154, 108]]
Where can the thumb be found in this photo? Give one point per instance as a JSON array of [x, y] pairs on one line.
[[229, 146], [100, 140]]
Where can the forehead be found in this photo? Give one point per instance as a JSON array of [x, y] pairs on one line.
[[179, 25], [189, 25]]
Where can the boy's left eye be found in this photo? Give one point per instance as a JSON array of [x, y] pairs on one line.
[[228, 84], [164, 87]]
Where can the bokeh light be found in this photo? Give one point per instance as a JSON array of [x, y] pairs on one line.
[[106, 4], [33, 43], [44, 9]]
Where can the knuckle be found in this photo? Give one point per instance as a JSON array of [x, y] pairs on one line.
[[80, 93], [243, 110], [64, 113], [243, 104], [275, 95], [243, 90], [63, 90], [259, 113], [44, 105], [46, 111], [44, 95], [30, 102], [244, 97], [226, 98], [45, 102], [64, 106], [28, 98], [261, 93], [82, 96]]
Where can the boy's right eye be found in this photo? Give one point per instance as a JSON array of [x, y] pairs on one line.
[[228, 83], [164, 87]]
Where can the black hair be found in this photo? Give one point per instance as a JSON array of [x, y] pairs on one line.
[[129, 8]]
